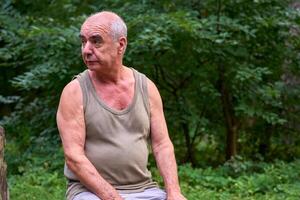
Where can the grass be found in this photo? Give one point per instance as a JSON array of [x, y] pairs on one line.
[[232, 181]]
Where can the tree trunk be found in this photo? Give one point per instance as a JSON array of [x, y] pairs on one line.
[[229, 116], [3, 182], [189, 157], [228, 111], [231, 142], [265, 141]]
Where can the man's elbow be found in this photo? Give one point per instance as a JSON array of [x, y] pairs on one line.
[[165, 146], [74, 161]]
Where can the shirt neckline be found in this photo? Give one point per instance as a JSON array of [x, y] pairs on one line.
[[110, 109]]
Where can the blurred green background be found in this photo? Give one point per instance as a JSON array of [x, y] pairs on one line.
[[228, 72]]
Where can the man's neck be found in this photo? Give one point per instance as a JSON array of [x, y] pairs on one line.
[[110, 76]]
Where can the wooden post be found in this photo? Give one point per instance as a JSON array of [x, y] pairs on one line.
[[3, 182]]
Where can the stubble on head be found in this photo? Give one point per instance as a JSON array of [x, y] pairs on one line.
[[108, 22]]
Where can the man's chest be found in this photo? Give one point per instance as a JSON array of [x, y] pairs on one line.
[[118, 98]]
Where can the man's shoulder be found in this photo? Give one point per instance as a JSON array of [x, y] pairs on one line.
[[79, 75], [137, 71], [72, 89], [74, 84], [151, 86]]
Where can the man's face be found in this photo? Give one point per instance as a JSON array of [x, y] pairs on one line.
[[99, 51]]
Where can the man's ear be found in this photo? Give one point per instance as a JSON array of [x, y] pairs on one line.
[[122, 45]]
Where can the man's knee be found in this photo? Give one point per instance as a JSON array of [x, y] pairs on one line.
[[148, 194]]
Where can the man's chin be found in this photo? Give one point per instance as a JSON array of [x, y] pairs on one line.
[[92, 66]]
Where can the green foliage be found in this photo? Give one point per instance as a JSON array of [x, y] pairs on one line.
[[192, 50], [206, 57], [242, 180], [236, 179], [37, 183]]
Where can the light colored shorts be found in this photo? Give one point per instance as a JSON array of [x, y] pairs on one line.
[[148, 194]]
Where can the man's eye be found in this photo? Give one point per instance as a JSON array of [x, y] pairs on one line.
[[83, 42], [96, 41]]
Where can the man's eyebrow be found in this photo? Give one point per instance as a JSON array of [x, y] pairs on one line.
[[96, 36]]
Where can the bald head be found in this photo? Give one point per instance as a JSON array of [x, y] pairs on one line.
[[113, 22]]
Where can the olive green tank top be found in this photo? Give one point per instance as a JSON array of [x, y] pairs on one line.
[[116, 140]]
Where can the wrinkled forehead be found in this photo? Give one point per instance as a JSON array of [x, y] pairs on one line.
[[95, 25]]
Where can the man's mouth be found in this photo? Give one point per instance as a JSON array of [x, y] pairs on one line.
[[91, 62]]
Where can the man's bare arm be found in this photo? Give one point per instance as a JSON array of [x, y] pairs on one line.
[[71, 126], [162, 146]]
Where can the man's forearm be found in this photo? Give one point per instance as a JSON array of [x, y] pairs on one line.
[[91, 179], [167, 166]]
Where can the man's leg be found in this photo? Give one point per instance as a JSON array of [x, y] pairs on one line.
[[86, 196], [148, 194]]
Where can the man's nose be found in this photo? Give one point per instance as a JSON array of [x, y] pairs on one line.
[[87, 48]]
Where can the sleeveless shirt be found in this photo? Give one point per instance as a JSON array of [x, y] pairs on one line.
[[116, 140]]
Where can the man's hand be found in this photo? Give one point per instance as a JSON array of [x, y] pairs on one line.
[[175, 196]]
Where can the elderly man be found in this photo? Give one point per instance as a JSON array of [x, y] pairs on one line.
[[106, 117]]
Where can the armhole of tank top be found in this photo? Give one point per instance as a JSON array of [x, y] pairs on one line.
[[80, 78], [145, 95]]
